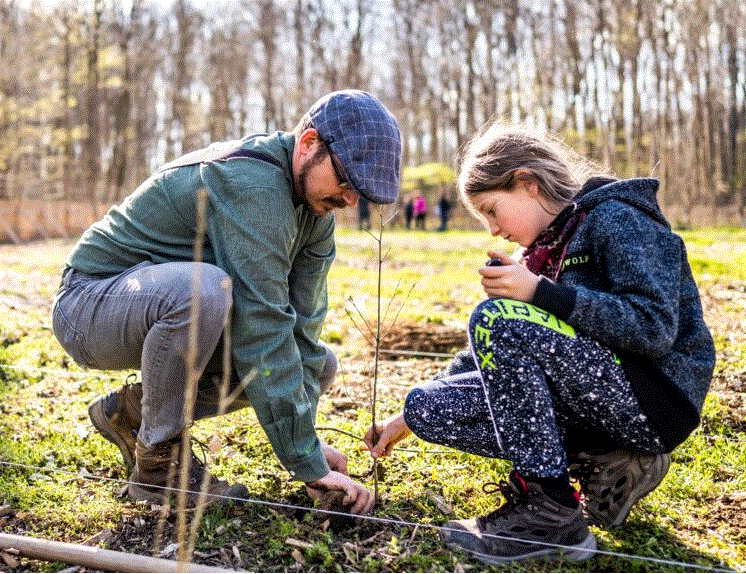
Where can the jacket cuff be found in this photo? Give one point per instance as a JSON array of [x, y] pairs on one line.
[[556, 298], [310, 468]]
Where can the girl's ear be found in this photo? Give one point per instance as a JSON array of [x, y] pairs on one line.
[[526, 178]]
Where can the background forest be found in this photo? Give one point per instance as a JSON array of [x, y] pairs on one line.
[[96, 93]]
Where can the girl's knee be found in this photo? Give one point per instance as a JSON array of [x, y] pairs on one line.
[[486, 315], [484, 324], [415, 405]]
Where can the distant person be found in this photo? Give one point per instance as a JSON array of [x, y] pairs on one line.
[[590, 358], [409, 211], [444, 211], [363, 214], [420, 211], [126, 296]]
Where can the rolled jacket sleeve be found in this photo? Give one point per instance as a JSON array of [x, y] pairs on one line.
[[251, 230]]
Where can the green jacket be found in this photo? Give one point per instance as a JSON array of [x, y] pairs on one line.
[[277, 254]]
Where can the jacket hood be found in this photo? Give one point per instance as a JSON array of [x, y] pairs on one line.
[[639, 193]]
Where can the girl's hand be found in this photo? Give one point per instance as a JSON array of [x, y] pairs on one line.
[[511, 280], [389, 432]]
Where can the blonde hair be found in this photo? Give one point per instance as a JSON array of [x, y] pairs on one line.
[[493, 157]]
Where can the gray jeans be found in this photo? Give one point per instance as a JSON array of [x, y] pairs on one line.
[[140, 319]]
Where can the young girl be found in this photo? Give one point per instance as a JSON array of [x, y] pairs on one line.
[[590, 358]]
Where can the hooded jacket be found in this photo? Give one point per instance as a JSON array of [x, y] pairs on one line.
[[626, 282]]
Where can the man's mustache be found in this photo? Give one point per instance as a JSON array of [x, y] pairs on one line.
[[337, 202]]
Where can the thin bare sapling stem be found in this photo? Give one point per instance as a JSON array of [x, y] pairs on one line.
[[374, 394], [192, 375], [376, 333], [222, 406]]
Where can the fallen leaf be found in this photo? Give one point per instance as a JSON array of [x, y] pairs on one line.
[[349, 552], [9, 560], [169, 550], [298, 556], [439, 502], [297, 543], [214, 445], [105, 536]]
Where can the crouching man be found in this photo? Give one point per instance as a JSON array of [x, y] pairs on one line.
[[127, 296]]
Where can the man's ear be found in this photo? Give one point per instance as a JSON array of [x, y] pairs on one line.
[[308, 141]]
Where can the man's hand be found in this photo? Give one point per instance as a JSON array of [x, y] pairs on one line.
[[335, 459], [388, 433], [361, 499], [510, 280]]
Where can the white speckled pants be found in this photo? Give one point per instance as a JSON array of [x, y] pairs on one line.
[[533, 390]]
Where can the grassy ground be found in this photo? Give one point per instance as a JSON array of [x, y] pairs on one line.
[[697, 516]]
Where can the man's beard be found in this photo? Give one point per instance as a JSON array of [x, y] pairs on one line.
[[302, 190]]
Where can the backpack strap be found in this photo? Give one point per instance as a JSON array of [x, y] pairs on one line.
[[221, 151]]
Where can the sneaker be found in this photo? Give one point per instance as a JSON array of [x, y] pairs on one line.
[[117, 417], [529, 524], [612, 483], [157, 476]]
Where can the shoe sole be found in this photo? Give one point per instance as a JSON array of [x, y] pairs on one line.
[[104, 427], [137, 491], [575, 553], [660, 465]]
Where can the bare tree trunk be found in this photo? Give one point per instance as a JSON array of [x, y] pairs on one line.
[[573, 46], [179, 139], [67, 150], [732, 150], [300, 56], [92, 144], [600, 127], [268, 38], [9, 87], [355, 57], [470, 32], [122, 113]]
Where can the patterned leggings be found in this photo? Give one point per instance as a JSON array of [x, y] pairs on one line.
[[531, 390]]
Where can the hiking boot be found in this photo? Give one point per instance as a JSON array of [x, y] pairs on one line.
[[157, 476], [529, 524], [117, 417], [612, 483]]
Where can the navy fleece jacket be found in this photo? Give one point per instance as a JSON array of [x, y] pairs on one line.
[[626, 282]]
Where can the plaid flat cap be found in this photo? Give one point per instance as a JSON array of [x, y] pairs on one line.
[[365, 137]]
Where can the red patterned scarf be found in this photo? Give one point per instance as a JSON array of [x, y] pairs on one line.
[[546, 254]]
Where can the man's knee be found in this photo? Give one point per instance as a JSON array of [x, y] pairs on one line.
[[211, 289], [217, 293]]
